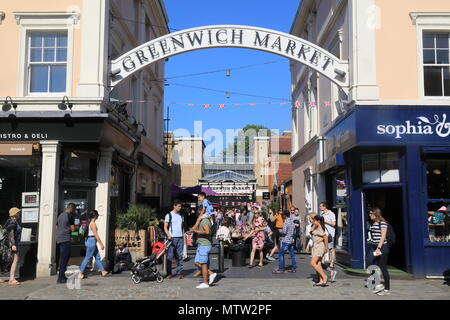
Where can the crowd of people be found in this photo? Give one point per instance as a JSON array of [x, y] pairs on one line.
[[265, 230]]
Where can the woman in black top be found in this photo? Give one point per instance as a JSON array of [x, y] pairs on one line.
[[379, 250]]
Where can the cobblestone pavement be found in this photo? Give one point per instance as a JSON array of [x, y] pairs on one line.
[[234, 284]]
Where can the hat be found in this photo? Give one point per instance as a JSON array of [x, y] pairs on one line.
[[13, 211], [442, 209]]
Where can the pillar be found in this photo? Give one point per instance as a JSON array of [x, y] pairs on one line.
[[102, 196], [48, 208]]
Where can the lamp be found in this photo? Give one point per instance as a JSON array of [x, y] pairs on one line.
[[65, 104], [8, 105], [122, 108]]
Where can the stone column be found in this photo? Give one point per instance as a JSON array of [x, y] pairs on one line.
[[48, 208], [102, 196]]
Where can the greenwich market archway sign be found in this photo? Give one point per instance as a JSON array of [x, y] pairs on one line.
[[231, 36]]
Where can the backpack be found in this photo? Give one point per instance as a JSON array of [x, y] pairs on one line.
[[390, 235], [83, 230]]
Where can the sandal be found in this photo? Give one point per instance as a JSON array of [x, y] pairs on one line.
[[105, 273], [14, 283], [277, 271], [252, 266]]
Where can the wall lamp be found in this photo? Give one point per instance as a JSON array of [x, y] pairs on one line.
[[65, 104], [8, 105]]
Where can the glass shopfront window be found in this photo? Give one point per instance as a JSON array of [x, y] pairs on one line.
[[381, 167], [438, 185], [339, 189]]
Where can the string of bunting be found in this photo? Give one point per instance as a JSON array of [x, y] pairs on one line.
[[296, 104]]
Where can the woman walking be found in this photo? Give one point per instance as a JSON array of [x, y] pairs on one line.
[[91, 246], [259, 225], [319, 249], [379, 250], [14, 232]]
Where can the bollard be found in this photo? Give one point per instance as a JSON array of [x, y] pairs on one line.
[[73, 280], [221, 257]]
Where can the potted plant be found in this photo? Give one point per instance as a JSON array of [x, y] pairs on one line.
[[132, 228]]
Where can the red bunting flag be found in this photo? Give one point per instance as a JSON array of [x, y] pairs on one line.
[[206, 106], [297, 104], [312, 104], [191, 104], [327, 103], [282, 103], [252, 104], [221, 106], [236, 104]]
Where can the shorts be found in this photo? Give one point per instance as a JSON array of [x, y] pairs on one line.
[[331, 244], [202, 254]]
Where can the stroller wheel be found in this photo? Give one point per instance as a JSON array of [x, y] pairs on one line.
[[136, 279], [159, 279]]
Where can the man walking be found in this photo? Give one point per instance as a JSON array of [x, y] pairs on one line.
[[287, 243], [174, 229], [65, 226], [330, 226], [203, 228], [297, 222]]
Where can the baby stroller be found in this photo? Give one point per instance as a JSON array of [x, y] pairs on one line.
[[146, 268]]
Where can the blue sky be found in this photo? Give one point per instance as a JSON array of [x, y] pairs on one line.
[[271, 80]]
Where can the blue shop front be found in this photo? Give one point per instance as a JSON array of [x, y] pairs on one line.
[[396, 158]]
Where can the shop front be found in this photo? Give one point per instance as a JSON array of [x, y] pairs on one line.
[[45, 164], [396, 158]]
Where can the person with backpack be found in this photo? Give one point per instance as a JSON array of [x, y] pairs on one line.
[[381, 240], [91, 246], [14, 232], [174, 230]]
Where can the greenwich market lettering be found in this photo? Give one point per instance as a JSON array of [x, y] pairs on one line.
[[230, 36], [423, 127]]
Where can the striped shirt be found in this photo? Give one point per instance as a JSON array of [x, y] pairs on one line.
[[375, 231]]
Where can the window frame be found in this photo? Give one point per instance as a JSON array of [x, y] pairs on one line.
[[48, 64], [428, 22], [42, 22]]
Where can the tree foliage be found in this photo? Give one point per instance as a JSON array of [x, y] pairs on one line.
[[138, 217], [243, 142]]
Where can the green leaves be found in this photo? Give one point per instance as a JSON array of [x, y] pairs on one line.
[[138, 217]]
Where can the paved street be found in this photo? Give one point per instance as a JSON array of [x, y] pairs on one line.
[[234, 284]]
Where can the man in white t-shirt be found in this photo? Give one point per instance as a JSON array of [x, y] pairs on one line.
[[330, 226], [173, 227]]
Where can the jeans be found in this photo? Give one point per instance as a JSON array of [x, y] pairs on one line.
[[175, 248], [285, 247], [64, 256], [381, 261], [91, 251]]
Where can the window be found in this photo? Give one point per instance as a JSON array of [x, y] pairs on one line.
[[47, 62], [438, 185], [436, 64], [381, 167]]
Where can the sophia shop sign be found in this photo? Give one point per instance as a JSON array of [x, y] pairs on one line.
[[230, 36], [424, 126]]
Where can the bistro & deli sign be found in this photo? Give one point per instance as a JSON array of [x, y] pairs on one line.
[[234, 36]]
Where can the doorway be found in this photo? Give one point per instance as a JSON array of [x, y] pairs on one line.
[[390, 201]]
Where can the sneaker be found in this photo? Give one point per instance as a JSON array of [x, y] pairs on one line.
[[212, 278], [383, 293], [378, 288], [202, 286], [333, 275], [270, 258], [169, 276]]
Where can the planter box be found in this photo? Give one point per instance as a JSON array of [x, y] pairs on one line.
[[136, 242]]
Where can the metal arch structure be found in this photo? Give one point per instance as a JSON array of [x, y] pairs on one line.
[[230, 36]]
